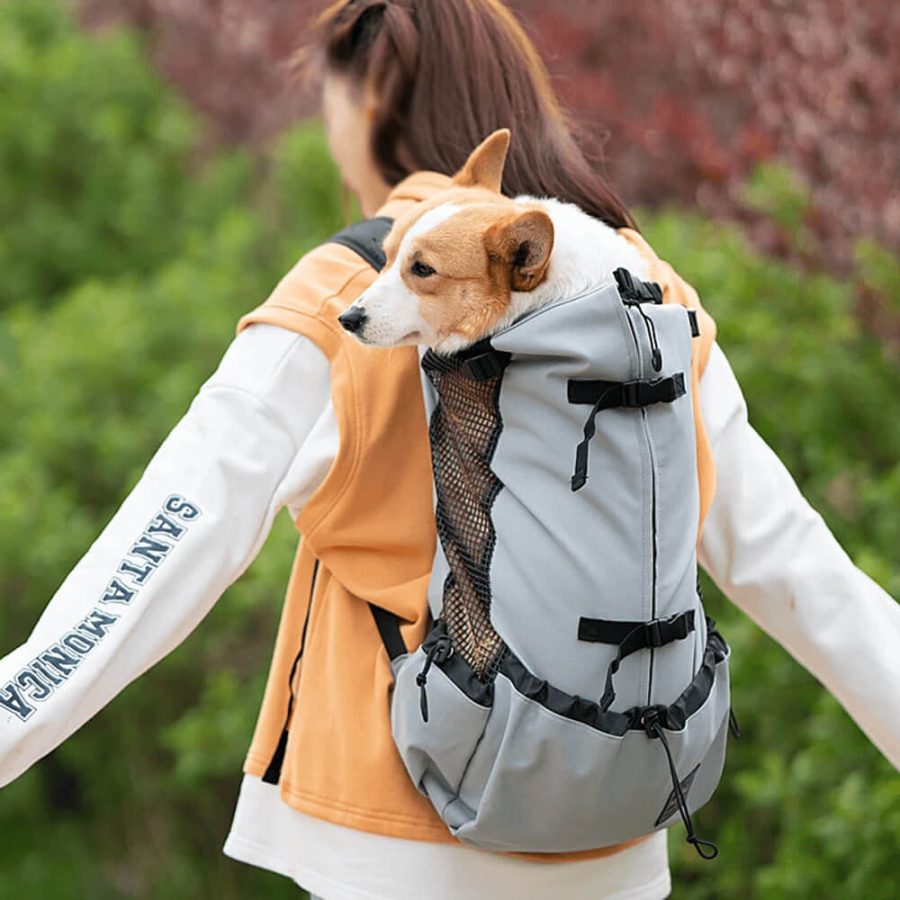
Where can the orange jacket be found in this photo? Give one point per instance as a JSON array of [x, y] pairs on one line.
[[368, 536]]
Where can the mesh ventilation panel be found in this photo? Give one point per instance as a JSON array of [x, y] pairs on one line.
[[464, 430]]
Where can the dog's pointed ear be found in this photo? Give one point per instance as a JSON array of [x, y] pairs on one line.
[[484, 167], [523, 242]]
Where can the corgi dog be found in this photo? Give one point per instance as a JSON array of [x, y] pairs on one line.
[[469, 261]]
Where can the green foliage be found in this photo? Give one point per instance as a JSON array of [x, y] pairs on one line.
[[127, 264], [126, 268], [775, 190]]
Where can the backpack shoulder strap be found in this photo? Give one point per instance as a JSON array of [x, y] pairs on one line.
[[364, 238]]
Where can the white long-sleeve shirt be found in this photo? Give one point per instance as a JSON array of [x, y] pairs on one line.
[[261, 435]]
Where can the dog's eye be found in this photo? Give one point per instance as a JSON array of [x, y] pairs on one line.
[[421, 270]]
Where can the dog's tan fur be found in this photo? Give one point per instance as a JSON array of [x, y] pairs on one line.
[[489, 248]]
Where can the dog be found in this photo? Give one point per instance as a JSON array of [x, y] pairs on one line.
[[470, 261]]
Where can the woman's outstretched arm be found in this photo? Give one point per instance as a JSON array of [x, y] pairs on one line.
[[773, 555], [193, 523]]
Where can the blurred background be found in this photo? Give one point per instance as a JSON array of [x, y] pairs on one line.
[[157, 176]]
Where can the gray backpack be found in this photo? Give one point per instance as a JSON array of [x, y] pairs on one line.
[[571, 693]]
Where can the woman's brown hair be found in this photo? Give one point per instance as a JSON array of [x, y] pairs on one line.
[[449, 72]]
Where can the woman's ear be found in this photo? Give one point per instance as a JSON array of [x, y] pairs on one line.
[[524, 243], [484, 167]]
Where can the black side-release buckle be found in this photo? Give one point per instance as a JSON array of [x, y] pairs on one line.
[[630, 394], [656, 633], [636, 291], [637, 635], [486, 365], [610, 395]]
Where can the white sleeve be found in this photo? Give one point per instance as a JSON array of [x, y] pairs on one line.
[[773, 555], [196, 519]]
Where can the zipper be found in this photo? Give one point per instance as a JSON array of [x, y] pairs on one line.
[[656, 360], [655, 548], [273, 772]]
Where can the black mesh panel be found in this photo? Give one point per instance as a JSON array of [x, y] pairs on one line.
[[464, 430]]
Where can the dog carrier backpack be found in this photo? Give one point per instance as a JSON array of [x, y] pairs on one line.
[[571, 693]]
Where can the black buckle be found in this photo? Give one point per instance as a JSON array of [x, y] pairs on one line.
[[654, 635], [633, 290], [485, 366], [684, 625], [631, 393], [659, 632]]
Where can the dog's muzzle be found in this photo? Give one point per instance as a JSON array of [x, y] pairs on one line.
[[353, 319]]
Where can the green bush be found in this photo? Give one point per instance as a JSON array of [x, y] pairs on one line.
[[126, 268], [127, 264]]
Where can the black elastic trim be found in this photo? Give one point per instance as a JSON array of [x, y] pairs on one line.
[[626, 393], [579, 709], [273, 770], [389, 628], [365, 238], [655, 633]]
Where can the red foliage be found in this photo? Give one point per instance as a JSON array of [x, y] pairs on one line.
[[683, 97], [694, 93]]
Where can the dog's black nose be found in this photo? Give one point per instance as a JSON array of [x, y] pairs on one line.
[[353, 319]]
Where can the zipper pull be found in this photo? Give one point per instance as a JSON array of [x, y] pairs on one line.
[[440, 650]]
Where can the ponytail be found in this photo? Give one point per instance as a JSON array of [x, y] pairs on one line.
[[446, 74]]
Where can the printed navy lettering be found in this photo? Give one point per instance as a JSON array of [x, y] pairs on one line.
[[11, 698], [63, 662], [178, 506], [59, 661], [150, 549], [27, 677], [78, 642], [116, 592], [97, 623], [139, 574], [162, 524], [38, 666]]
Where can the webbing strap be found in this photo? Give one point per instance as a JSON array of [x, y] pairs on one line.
[[626, 393], [388, 625], [613, 394], [365, 238], [656, 633]]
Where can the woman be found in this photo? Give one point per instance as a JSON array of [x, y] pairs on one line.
[[300, 415]]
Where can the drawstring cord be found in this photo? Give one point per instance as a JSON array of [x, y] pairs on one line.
[[656, 353], [733, 725], [439, 651], [579, 477], [706, 849]]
